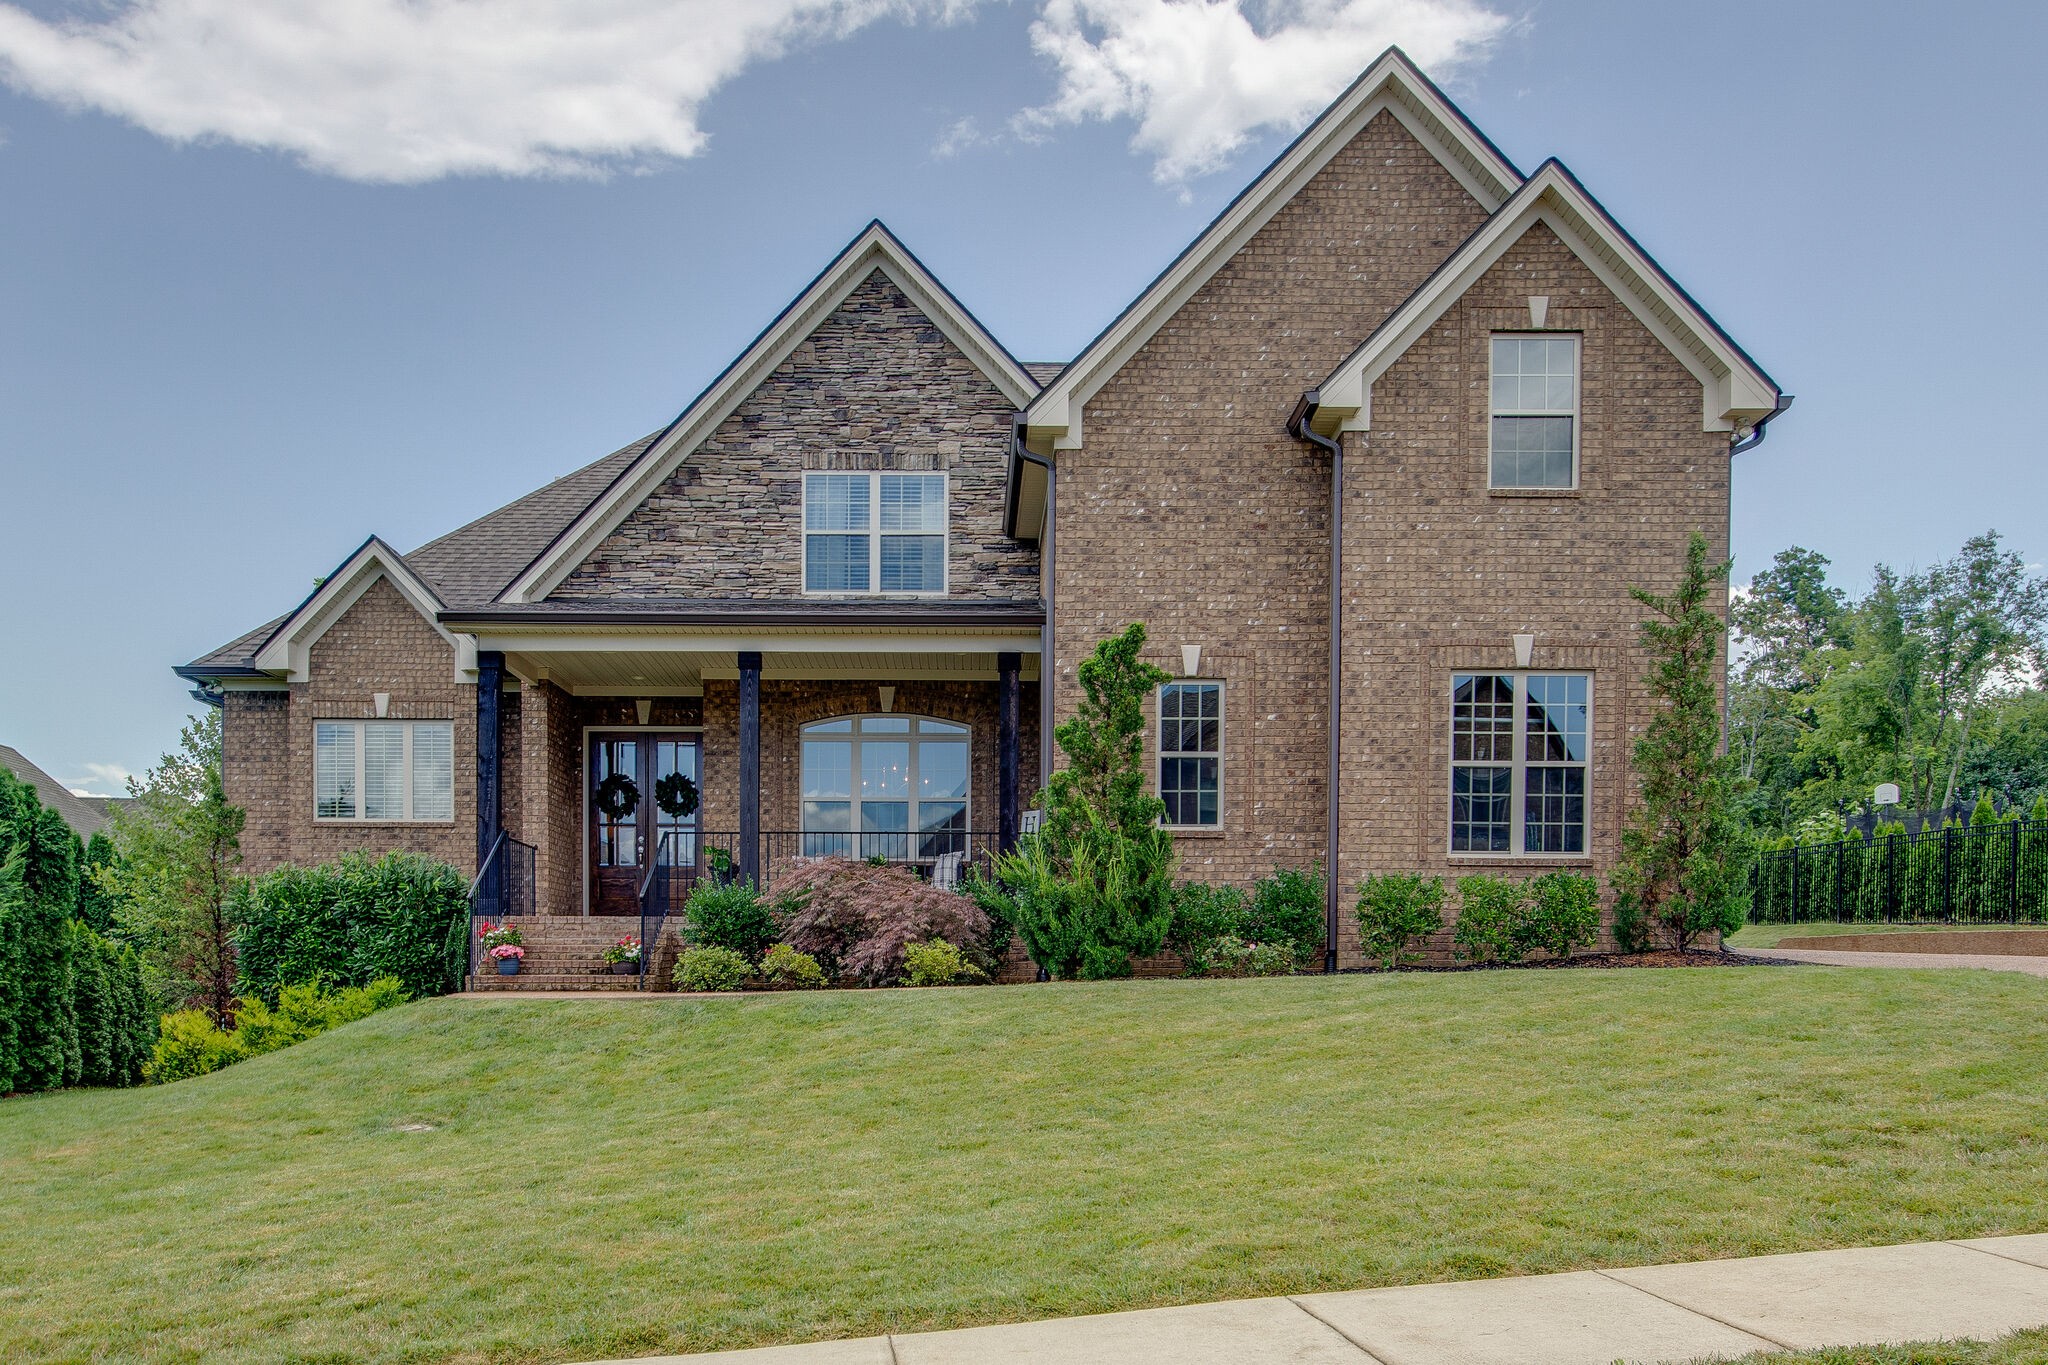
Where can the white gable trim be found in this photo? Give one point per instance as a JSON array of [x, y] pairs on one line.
[[1392, 85], [289, 648], [875, 249], [1735, 392]]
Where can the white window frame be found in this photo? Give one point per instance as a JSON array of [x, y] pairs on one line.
[[1574, 413], [409, 728], [1163, 753], [855, 738], [875, 533], [1518, 765]]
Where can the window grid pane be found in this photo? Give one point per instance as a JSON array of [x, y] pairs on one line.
[[913, 563], [1191, 753], [1519, 749], [1535, 400], [433, 772], [384, 772], [836, 563]]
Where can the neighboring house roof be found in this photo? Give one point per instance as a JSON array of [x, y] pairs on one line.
[[1394, 85], [875, 249], [86, 815], [1736, 393]]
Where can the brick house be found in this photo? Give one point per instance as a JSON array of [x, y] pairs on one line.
[[840, 600]]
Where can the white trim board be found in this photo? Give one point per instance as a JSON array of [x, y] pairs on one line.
[[875, 249], [1393, 84], [1735, 393], [289, 648]]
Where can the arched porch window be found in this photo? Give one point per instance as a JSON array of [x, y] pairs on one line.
[[885, 787]]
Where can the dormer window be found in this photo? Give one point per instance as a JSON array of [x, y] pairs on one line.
[[1535, 440], [875, 533]]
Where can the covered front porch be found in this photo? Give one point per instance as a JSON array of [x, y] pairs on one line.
[[620, 764]]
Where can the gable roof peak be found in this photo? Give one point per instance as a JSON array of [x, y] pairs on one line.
[[873, 248], [1392, 84]]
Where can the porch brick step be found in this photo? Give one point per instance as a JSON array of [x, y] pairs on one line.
[[552, 981]]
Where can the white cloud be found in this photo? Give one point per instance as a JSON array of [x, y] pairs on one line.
[[412, 90], [408, 91], [102, 779], [1202, 77]]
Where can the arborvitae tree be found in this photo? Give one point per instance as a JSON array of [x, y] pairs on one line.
[[95, 897], [1094, 887], [45, 1042], [94, 1007], [1684, 857]]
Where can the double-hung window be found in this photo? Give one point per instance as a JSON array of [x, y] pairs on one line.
[[1535, 428], [383, 770], [874, 533], [1518, 762], [1191, 753]]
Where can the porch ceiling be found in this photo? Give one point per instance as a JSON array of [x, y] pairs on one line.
[[645, 672]]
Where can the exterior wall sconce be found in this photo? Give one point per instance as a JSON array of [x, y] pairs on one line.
[[382, 701], [888, 699], [644, 707], [1190, 660], [1525, 650]]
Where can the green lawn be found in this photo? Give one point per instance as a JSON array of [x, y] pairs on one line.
[[1770, 935], [2021, 1348], [613, 1177]]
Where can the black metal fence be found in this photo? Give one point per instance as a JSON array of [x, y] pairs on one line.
[[1995, 872], [503, 887]]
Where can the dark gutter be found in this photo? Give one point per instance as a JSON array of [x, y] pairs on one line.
[[202, 674], [1299, 426], [830, 615], [1756, 433]]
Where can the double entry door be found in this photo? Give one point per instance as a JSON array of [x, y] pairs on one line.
[[632, 828]]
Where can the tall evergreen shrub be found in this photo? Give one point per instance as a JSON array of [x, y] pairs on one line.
[[43, 1048], [1094, 888], [350, 922]]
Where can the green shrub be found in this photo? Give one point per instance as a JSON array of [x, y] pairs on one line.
[[1094, 888], [1564, 914], [712, 968], [859, 919], [190, 1044], [995, 901], [936, 962], [1233, 956], [1493, 919], [785, 968], [730, 915], [350, 922], [1204, 914], [1395, 909], [1288, 907], [116, 1028]]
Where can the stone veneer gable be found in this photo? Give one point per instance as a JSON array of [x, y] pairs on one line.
[[876, 386]]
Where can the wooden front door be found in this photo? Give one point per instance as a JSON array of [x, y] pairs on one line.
[[629, 830]]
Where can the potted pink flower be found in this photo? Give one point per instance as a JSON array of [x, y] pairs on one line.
[[622, 957], [502, 944]]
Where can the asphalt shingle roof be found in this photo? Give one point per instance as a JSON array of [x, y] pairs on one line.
[[85, 814]]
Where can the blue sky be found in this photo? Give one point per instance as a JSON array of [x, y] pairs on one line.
[[256, 305]]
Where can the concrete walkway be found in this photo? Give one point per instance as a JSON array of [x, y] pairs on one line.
[[1919, 1292], [1835, 957]]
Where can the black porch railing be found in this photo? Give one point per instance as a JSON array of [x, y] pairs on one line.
[[1991, 873], [501, 889]]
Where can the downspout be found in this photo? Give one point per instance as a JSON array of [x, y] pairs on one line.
[[1047, 562], [1735, 447], [1298, 425]]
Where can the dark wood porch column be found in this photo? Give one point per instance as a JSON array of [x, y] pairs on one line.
[[1009, 751], [750, 766], [490, 786]]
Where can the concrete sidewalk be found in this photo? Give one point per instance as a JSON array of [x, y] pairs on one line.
[[1844, 957], [1919, 1292]]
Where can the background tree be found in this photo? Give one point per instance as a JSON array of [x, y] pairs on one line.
[[38, 901], [95, 901], [179, 844], [1094, 887], [1683, 853]]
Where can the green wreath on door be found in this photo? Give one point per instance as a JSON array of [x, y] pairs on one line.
[[618, 796]]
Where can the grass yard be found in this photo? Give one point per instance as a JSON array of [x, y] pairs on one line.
[[2021, 1348], [605, 1178], [1761, 936]]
